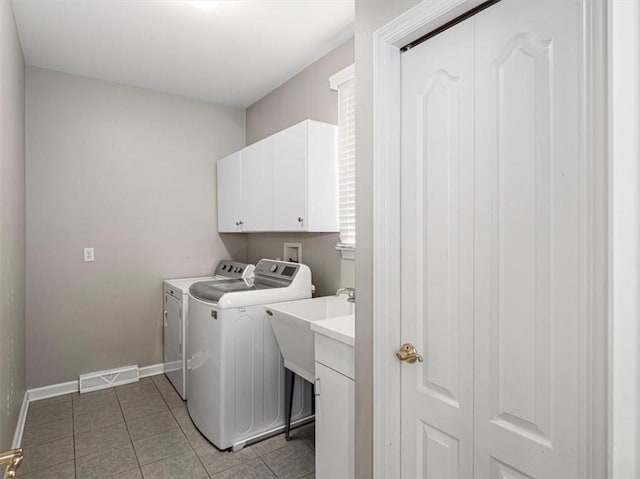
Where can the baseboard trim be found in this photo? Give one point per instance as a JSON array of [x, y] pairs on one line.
[[152, 370], [53, 390], [22, 418], [61, 389]]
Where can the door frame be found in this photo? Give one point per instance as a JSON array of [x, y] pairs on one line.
[[387, 42], [624, 238]]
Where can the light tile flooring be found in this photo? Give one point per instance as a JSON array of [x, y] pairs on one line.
[[143, 430]]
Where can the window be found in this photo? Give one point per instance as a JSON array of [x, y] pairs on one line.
[[344, 83]]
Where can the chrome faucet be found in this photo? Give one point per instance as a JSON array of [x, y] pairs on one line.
[[351, 294]]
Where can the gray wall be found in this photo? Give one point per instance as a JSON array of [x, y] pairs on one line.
[[306, 95], [131, 173], [370, 16], [12, 229]]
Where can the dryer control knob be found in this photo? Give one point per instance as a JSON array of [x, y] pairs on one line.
[[274, 268]]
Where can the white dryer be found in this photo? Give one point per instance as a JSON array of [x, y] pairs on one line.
[[235, 370], [176, 310]]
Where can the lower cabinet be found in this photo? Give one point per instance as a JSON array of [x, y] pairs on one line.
[[335, 398]]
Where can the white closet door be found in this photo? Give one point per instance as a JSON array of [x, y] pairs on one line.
[[437, 255], [491, 247], [528, 316]]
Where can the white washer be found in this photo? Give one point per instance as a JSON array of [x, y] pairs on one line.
[[235, 370], [176, 308]]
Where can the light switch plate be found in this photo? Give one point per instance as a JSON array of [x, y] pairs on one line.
[[89, 255]]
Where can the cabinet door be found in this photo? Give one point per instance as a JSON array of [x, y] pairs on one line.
[[335, 396], [322, 177], [229, 193], [257, 186], [290, 179]]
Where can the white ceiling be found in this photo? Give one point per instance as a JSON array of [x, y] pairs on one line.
[[233, 53]]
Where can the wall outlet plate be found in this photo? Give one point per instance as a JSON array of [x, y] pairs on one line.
[[89, 255]]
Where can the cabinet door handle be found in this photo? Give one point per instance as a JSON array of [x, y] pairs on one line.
[[165, 318], [300, 219], [316, 387]]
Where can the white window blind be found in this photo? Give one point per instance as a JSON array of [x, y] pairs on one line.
[[344, 83]]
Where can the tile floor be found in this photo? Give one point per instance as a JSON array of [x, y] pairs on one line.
[[143, 430]]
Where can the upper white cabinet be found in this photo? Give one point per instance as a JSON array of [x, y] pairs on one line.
[[256, 213], [288, 182], [290, 154], [229, 193]]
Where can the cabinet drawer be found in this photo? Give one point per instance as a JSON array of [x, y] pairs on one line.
[[335, 355]]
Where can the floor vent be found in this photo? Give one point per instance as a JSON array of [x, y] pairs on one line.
[[108, 379]]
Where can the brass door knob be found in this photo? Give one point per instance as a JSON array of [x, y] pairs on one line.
[[408, 354], [12, 459]]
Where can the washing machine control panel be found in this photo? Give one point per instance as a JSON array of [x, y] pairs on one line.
[[282, 270], [234, 269]]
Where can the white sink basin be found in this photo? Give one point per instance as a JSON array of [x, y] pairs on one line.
[[291, 323]]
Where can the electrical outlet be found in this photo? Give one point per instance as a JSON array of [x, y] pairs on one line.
[[89, 255]]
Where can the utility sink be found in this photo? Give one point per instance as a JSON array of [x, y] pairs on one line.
[[291, 323]]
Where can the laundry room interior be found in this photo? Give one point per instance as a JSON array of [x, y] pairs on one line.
[[328, 239], [151, 130]]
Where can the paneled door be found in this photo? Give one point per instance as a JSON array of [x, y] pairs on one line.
[[437, 255], [528, 309], [491, 247]]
